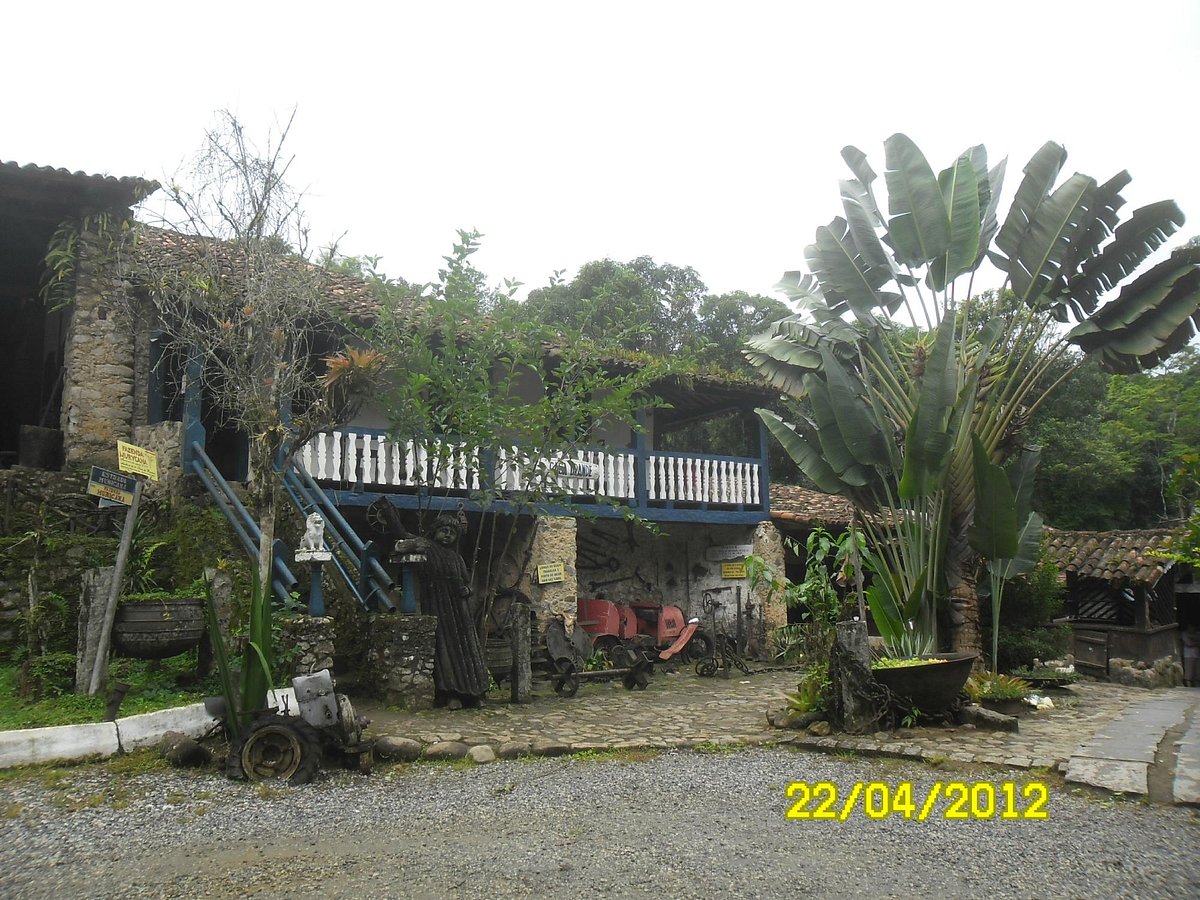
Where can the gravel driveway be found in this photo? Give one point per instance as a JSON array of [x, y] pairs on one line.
[[680, 824]]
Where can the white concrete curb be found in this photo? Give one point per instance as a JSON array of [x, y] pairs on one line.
[[64, 743], [136, 732]]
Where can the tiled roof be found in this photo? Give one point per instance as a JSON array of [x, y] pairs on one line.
[[350, 294], [98, 191], [1112, 556], [791, 503]]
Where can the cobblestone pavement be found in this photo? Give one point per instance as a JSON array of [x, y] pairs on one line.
[[683, 710]]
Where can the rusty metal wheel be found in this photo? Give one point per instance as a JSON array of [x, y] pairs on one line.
[[566, 683], [280, 747]]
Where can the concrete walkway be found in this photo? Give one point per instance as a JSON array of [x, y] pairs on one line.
[[1106, 735]]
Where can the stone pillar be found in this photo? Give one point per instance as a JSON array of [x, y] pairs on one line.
[[553, 542], [768, 544], [858, 711], [98, 384], [400, 656]]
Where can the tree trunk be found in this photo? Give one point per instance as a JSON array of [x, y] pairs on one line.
[[266, 541], [965, 634], [262, 487]]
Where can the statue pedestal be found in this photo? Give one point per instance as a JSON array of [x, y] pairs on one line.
[[316, 594]]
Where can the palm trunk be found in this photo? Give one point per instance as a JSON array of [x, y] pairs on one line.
[[966, 635]]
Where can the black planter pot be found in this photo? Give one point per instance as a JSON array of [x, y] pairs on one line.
[[932, 687], [157, 629]]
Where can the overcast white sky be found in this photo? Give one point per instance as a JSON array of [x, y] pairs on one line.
[[701, 134]]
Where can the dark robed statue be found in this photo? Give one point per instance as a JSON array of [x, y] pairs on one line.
[[460, 676]]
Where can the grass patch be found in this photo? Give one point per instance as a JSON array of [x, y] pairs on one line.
[[713, 748], [615, 754], [138, 762], [153, 686]]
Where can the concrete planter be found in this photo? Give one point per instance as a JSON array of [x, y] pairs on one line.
[[932, 687]]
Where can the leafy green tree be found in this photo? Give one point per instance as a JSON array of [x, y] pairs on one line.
[[638, 305], [1156, 417], [895, 417], [494, 385]]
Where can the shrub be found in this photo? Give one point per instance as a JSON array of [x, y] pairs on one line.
[[1030, 603]]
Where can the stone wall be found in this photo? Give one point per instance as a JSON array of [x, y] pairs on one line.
[[308, 640], [679, 566], [1163, 672], [98, 385], [40, 509], [165, 440], [399, 661]]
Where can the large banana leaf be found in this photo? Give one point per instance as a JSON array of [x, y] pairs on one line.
[[833, 442], [798, 286], [1040, 174], [859, 427], [1021, 477], [928, 441], [993, 533], [987, 229], [857, 161], [782, 362], [961, 191], [919, 226], [1152, 317], [804, 452], [842, 271], [863, 221], [1029, 551], [1106, 205], [1061, 219], [1133, 241]]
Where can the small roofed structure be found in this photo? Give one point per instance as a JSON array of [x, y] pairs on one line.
[[799, 508], [1121, 595]]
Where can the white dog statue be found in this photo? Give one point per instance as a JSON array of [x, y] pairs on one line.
[[314, 533]]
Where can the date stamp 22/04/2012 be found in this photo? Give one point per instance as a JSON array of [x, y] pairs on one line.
[[945, 800]]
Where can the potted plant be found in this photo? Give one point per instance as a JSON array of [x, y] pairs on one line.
[[999, 693], [153, 622]]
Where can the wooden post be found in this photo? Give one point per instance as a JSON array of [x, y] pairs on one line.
[[97, 586], [522, 675], [114, 594]]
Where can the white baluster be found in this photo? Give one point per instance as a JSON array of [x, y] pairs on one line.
[[368, 459], [755, 496], [320, 472], [352, 454], [393, 458], [335, 457]]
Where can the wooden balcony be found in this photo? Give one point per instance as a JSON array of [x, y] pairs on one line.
[[358, 464]]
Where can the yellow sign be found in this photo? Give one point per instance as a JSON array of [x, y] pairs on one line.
[[552, 573], [734, 570], [137, 460]]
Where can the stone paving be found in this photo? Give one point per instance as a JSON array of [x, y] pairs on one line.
[[684, 710]]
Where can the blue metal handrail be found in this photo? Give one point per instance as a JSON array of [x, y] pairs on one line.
[[283, 582], [369, 581]]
